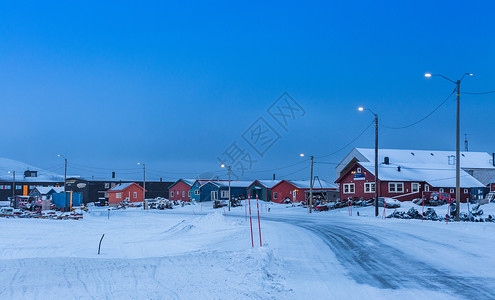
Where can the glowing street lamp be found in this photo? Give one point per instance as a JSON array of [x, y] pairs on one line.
[[376, 157]]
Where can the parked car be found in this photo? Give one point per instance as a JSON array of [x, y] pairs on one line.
[[389, 202], [439, 198]]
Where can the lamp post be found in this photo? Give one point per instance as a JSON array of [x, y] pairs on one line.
[[376, 158], [145, 206], [229, 168], [310, 184], [13, 185], [65, 178], [457, 142]]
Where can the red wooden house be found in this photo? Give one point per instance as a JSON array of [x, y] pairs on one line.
[[181, 190], [403, 182], [132, 192], [297, 190]]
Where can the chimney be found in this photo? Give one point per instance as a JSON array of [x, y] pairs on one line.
[[274, 176], [113, 174], [398, 168], [161, 179], [386, 160], [493, 159]]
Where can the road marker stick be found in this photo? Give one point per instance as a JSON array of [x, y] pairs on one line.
[[384, 206], [259, 222], [251, 221]]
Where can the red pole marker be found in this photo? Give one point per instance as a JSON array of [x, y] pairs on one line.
[[250, 221], [259, 222], [423, 210], [384, 206], [448, 212]]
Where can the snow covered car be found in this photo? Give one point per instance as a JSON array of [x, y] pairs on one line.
[[439, 198], [389, 202], [325, 207], [219, 203]]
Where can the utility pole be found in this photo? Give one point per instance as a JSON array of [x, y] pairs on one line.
[[376, 165], [230, 197], [457, 142], [458, 155], [145, 206], [65, 178], [311, 186]]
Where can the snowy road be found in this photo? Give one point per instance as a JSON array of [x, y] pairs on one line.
[[196, 253], [390, 258]]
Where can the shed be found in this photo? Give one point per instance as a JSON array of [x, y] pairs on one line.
[[181, 190]]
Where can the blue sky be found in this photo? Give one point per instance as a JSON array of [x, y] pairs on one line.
[[174, 84]]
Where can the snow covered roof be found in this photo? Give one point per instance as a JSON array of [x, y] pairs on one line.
[[436, 177], [189, 182], [318, 184], [233, 183], [268, 183], [469, 160], [46, 189], [7, 165], [121, 186]]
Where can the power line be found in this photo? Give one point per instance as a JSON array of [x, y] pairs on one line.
[[422, 119], [305, 167], [478, 93], [346, 145]]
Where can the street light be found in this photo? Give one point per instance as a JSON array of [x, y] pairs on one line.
[[310, 183], [376, 158], [457, 142], [145, 206], [65, 179], [13, 186], [230, 169]]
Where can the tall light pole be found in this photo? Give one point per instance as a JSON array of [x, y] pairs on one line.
[[310, 184], [65, 178], [13, 185], [457, 142], [229, 168], [145, 206], [376, 158]]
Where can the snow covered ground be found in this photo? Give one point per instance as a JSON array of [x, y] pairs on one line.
[[196, 252]]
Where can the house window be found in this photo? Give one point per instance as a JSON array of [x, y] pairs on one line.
[[113, 184], [359, 170], [18, 187], [414, 187], [135, 194], [183, 193], [171, 193], [196, 192], [188, 193], [119, 195], [441, 190], [395, 187], [275, 195], [225, 194], [452, 191], [427, 188], [466, 191], [369, 187], [107, 185], [214, 195], [348, 188]]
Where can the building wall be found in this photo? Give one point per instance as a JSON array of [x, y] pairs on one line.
[[483, 175], [285, 189], [126, 193], [180, 191], [206, 190], [195, 188], [264, 193], [406, 195]]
